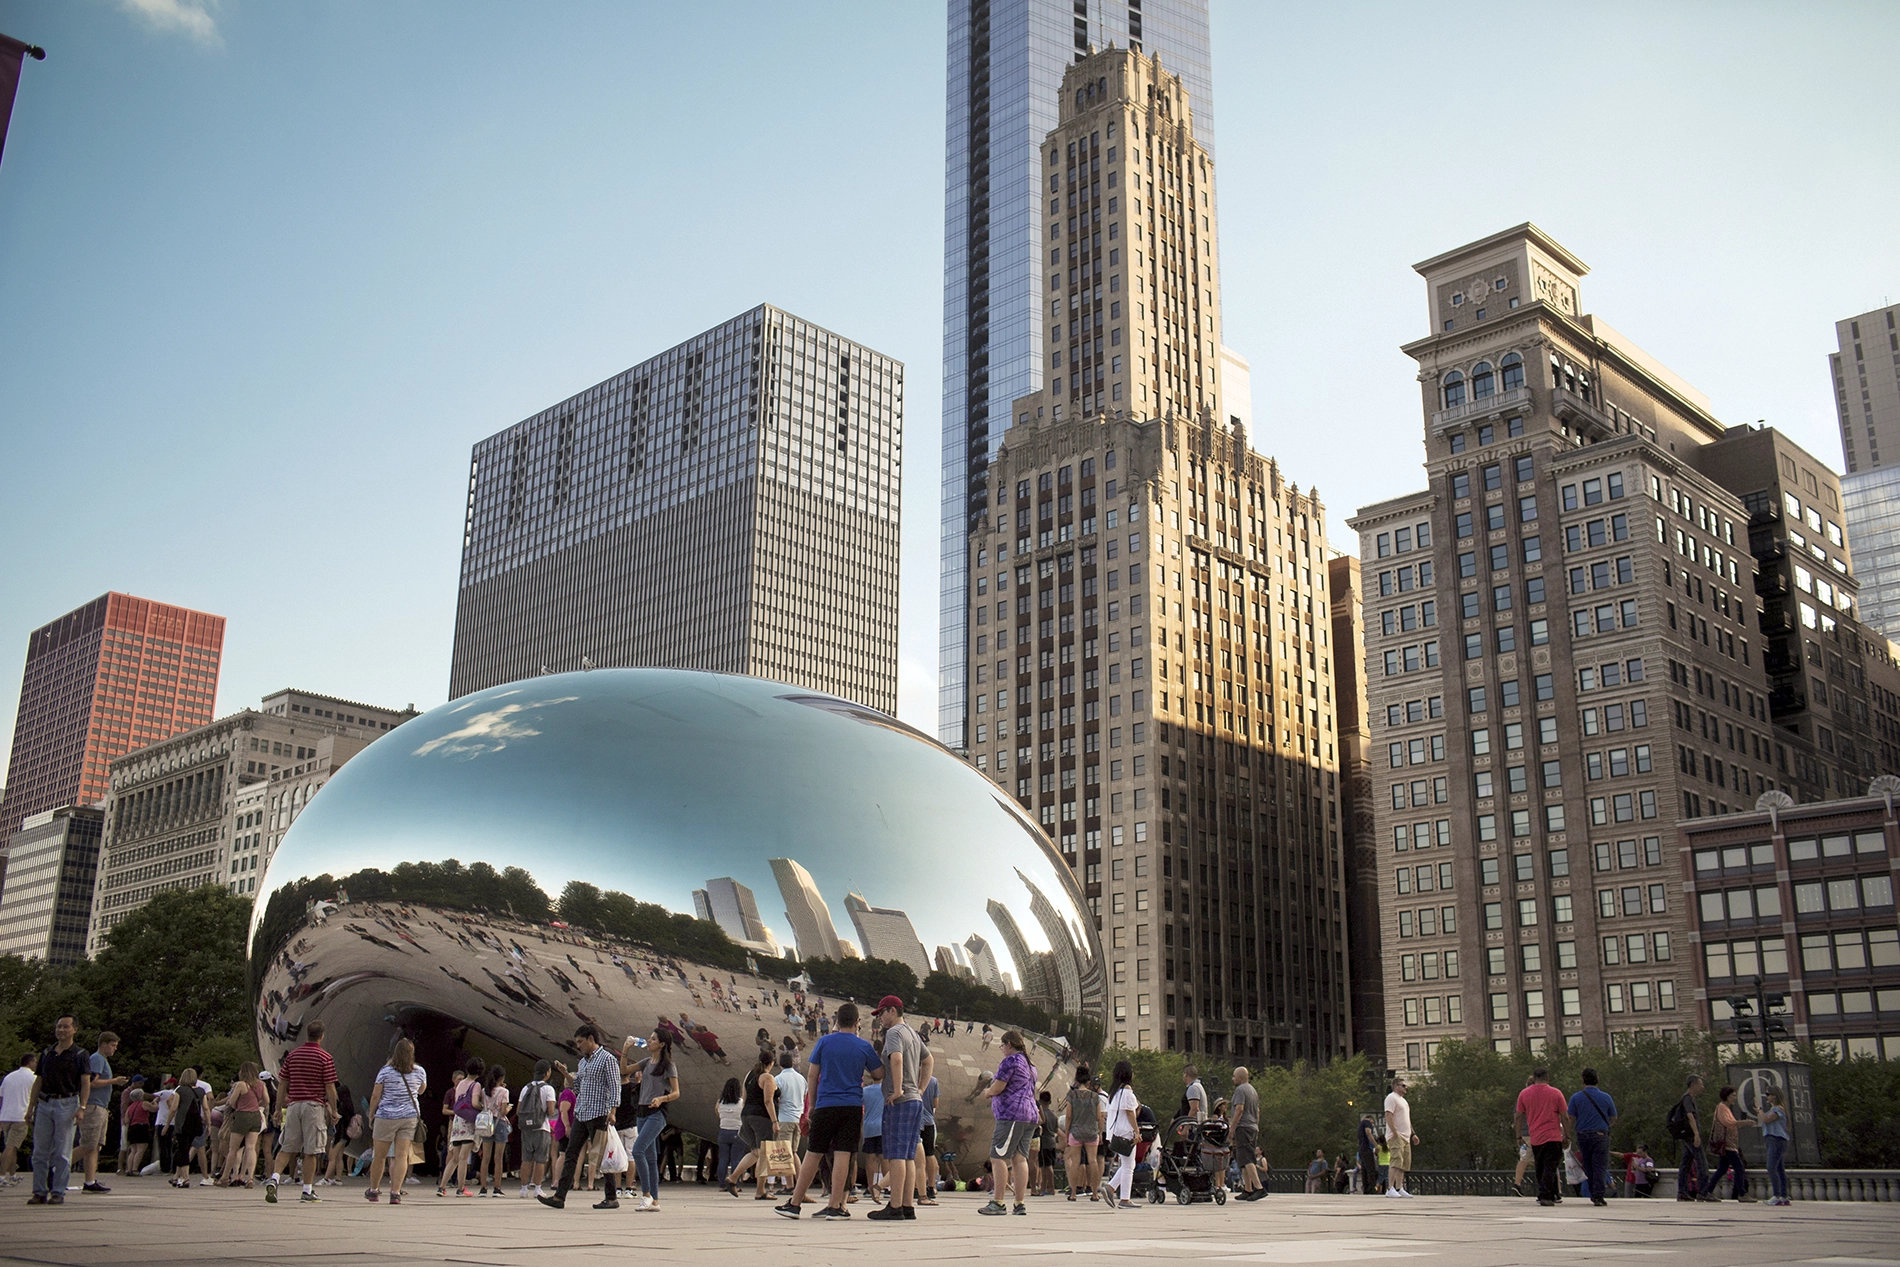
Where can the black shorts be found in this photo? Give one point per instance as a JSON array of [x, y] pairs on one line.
[[873, 1146], [929, 1137], [1047, 1158], [835, 1129]]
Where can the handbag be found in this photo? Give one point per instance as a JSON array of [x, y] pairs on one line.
[[1121, 1145], [779, 1158], [415, 1152], [613, 1158]]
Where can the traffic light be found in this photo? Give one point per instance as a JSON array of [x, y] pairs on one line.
[[1744, 1008]]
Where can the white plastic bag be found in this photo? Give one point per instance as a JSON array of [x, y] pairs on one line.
[[614, 1159]]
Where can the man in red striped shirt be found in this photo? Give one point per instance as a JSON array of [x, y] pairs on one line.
[[308, 1075]]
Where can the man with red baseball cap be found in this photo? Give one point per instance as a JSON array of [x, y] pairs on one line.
[[906, 1072]]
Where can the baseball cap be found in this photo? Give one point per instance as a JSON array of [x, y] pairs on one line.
[[890, 1002]]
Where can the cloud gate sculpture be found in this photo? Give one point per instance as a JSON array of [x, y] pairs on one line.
[[642, 847]]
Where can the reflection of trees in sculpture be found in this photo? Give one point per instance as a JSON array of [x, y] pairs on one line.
[[513, 892]]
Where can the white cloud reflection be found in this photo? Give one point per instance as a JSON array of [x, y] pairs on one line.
[[489, 731]]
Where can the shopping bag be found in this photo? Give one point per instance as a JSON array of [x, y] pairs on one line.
[[779, 1158], [613, 1158]]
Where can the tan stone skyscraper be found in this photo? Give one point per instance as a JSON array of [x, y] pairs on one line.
[[1151, 658], [1133, 317]]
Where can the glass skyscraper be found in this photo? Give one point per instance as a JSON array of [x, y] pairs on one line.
[[1006, 60]]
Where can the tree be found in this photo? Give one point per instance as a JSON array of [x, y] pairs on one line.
[[172, 972], [1856, 1108]]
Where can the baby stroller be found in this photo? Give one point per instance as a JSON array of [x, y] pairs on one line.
[[1192, 1162], [1144, 1186]]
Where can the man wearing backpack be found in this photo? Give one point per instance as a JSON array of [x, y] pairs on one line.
[[535, 1111], [1687, 1128], [1591, 1113]]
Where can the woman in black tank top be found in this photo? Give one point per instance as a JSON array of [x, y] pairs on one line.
[[757, 1124]]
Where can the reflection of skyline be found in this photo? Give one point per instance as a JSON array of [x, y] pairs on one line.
[[730, 904], [805, 910], [884, 933]]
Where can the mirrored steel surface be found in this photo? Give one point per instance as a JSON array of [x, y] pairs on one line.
[[682, 790]]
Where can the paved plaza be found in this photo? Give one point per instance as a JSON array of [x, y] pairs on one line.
[[143, 1221]]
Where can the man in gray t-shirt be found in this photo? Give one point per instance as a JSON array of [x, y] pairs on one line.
[[1243, 1115], [906, 1068]]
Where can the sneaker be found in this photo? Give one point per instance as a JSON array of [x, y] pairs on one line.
[[270, 1190], [1545, 1201], [309, 1198], [1393, 1194], [1020, 1209], [206, 1182], [1258, 1194], [789, 1210], [994, 1208], [606, 1205], [832, 1212], [56, 1198], [524, 1191], [887, 1214], [552, 1203], [370, 1194], [1747, 1198], [1119, 1205], [95, 1186], [648, 1205], [395, 1198], [38, 1198]]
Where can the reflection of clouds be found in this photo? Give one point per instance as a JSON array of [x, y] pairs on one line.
[[488, 731]]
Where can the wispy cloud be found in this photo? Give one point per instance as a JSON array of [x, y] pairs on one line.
[[188, 17], [490, 731]]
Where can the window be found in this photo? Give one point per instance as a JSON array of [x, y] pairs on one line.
[[1454, 390], [1527, 912], [1481, 380], [1511, 371]]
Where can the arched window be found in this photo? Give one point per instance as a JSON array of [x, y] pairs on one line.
[[1481, 380], [1454, 389], [1512, 367]]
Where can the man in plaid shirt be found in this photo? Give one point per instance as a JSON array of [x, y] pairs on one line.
[[597, 1094]]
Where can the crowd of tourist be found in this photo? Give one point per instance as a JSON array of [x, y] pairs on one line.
[[830, 1119]]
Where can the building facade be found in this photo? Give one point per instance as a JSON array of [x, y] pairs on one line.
[[1798, 899], [1365, 959], [1006, 64], [210, 806], [1152, 663], [104, 679], [731, 905], [731, 504], [813, 933], [1866, 376], [52, 862]]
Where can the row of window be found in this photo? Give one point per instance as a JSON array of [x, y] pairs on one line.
[[1487, 434], [1595, 491], [1501, 556], [1426, 966], [1483, 382], [1623, 855], [1830, 847], [1500, 597], [1416, 751], [1413, 616], [1409, 659], [1415, 710], [1423, 878], [1635, 948], [1430, 921], [1431, 791], [1404, 580], [1603, 618], [1495, 516], [1403, 540], [1596, 532], [1628, 900], [1491, 477], [1619, 996], [1506, 637], [1563, 909], [1433, 1010], [1421, 835], [1855, 1003], [1602, 574]]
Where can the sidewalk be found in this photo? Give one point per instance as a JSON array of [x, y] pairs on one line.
[[144, 1221]]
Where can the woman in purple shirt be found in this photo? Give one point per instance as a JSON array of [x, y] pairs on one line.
[[1012, 1094]]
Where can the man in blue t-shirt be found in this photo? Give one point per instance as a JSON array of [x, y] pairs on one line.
[[834, 1111], [1592, 1110]]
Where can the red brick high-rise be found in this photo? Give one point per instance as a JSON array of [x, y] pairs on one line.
[[117, 674]]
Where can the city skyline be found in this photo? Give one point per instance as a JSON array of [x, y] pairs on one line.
[[1762, 315]]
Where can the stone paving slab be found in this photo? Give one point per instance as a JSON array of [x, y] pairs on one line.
[[143, 1221]]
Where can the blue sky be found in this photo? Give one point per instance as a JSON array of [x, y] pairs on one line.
[[267, 270]]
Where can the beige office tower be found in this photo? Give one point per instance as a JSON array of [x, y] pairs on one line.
[[1569, 648], [1151, 654], [1866, 375], [730, 504], [1133, 318], [211, 805]]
